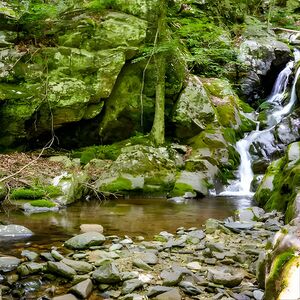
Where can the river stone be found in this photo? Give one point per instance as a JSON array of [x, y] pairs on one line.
[[9, 263], [30, 255], [81, 267], [157, 290], [173, 294], [148, 257], [85, 240], [61, 269], [194, 265], [83, 289], [47, 256], [29, 268], [14, 231], [238, 226], [91, 227], [258, 295], [211, 225], [56, 255], [171, 278], [130, 285], [189, 288], [139, 263], [65, 297], [229, 277], [108, 273]]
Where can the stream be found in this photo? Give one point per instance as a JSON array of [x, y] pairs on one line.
[[132, 217]]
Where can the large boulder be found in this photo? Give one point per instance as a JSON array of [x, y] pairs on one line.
[[85, 240], [279, 187], [264, 57], [140, 168], [193, 110]]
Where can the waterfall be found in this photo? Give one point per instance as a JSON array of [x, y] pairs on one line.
[[242, 186]]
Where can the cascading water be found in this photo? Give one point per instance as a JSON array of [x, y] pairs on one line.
[[242, 186]]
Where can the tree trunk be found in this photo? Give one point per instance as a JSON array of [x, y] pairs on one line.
[[158, 128]]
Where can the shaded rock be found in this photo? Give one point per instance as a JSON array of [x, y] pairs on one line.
[[83, 289], [56, 255], [91, 227], [61, 269], [108, 273], [189, 288], [171, 278], [229, 277], [30, 268], [65, 297], [170, 295], [47, 256], [157, 290], [81, 267], [9, 263], [85, 240], [14, 231], [30, 255], [130, 285]]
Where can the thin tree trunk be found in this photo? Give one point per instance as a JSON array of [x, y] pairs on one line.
[[158, 128]]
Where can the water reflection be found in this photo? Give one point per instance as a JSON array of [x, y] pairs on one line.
[[127, 216]]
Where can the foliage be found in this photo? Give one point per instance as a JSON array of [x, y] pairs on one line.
[[42, 203]]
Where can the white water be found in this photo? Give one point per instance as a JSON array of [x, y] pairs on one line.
[[242, 186]]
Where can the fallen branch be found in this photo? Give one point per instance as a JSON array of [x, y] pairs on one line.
[[285, 29]]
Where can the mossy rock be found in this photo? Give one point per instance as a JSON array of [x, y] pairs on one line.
[[25, 193], [119, 184], [42, 203]]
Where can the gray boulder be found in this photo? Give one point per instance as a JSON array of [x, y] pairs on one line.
[[85, 240], [61, 269], [9, 263], [107, 273]]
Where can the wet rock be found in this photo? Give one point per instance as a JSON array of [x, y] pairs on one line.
[[83, 289], [65, 297], [30, 255], [229, 277], [170, 295], [91, 228], [195, 236], [189, 288], [85, 240], [9, 263], [157, 290], [56, 255], [30, 268], [47, 256], [61, 269], [14, 231], [81, 267], [108, 273], [176, 242], [130, 285]]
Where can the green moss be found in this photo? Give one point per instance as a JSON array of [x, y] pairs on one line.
[[52, 191], [262, 196], [246, 108], [276, 270], [42, 203], [180, 189], [118, 185], [23, 193]]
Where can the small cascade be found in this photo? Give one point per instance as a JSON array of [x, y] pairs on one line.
[[242, 186]]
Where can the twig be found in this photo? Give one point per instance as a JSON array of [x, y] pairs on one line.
[[285, 29]]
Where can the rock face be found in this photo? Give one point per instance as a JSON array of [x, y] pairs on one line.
[[279, 187], [264, 56]]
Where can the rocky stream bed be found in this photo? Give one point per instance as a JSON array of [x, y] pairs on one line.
[[222, 260]]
